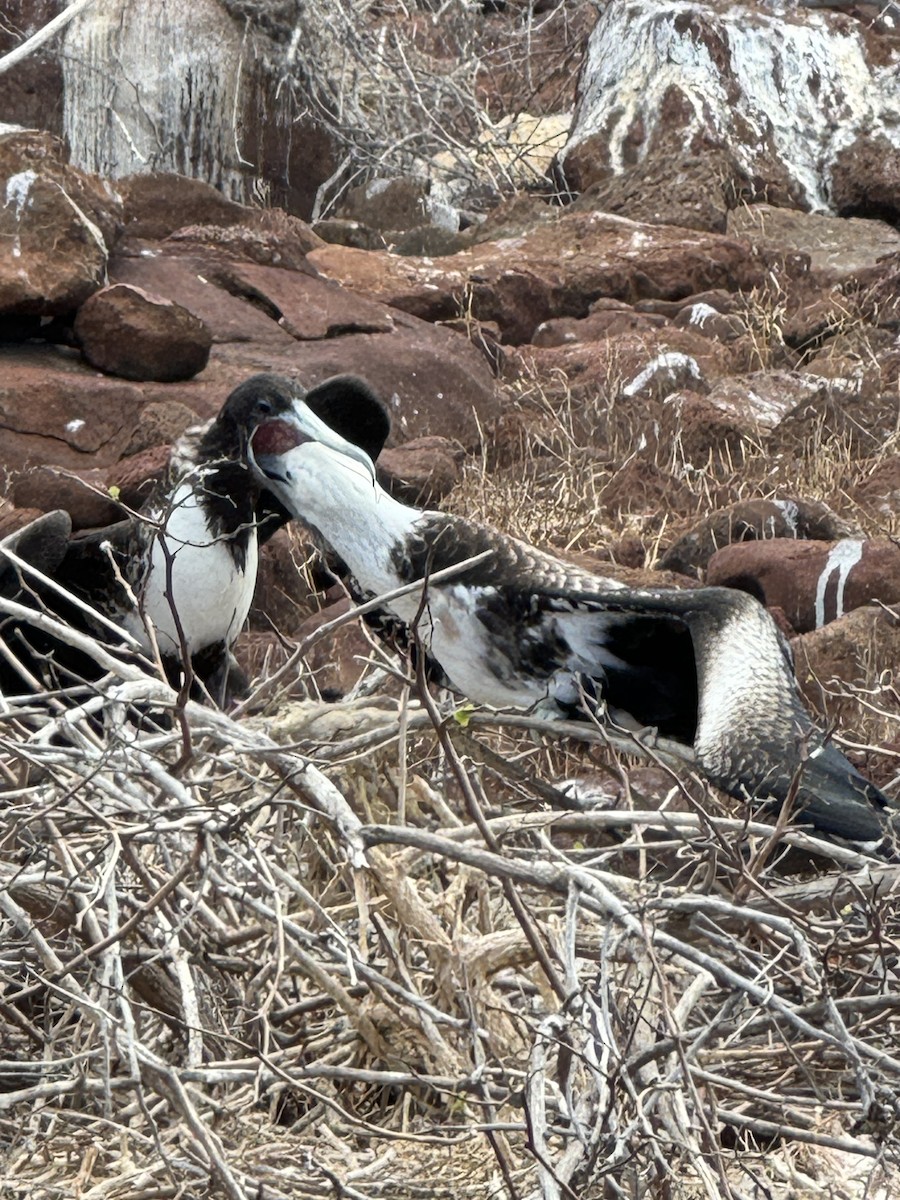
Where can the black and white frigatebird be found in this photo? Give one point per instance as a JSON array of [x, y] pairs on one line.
[[182, 573], [707, 667]]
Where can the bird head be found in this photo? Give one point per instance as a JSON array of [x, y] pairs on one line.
[[342, 412], [342, 416]]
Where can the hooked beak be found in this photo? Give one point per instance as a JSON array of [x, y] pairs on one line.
[[273, 439]]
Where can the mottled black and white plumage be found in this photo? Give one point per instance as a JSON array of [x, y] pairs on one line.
[[522, 629], [183, 572]]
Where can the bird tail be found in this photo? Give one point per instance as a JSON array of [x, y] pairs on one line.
[[833, 797], [823, 787]]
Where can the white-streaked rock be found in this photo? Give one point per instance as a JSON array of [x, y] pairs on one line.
[[785, 92]]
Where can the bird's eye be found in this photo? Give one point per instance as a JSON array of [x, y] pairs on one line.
[[264, 406]]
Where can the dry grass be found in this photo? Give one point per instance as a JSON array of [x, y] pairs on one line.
[[584, 467]]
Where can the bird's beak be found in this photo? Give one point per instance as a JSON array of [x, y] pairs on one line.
[[272, 440]]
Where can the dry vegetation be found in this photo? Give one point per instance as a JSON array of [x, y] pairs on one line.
[[358, 950], [425, 89], [581, 467]]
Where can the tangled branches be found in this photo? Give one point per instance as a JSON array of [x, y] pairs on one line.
[[404, 90], [278, 969]]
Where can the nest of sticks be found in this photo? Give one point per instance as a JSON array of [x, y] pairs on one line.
[[380, 949]]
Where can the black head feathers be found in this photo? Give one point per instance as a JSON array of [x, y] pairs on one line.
[[346, 403]]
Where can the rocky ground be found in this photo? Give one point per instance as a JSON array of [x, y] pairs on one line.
[[673, 356]]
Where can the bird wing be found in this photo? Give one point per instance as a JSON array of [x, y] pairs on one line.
[[706, 666], [753, 736]]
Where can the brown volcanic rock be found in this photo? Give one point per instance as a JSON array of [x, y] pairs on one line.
[[431, 289], [334, 664], [564, 331], [703, 436], [162, 422], [639, 486], [134, 334], [55, 411], [859, 419], [880, 491], [708, 321], [190, 280], [636, 366], [57, 226], [636, 577], [305, 307], [838, 247], [269, 237], [865, 356], [761, 400], [82, 494], [750, 521], [422, 471], [692, 191], [556, 269], [847, 655], [31, 95], [623, 392], [878, 294], [813, 582], [13, 519], [659, 86], [137, 475], [284, 594], [866, 178], [158, 203], [387, 205], [434, 381]]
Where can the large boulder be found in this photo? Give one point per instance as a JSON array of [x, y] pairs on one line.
[[227, 117], [57, 226], [126, 331], [54, 410], [838, 247], [762, 399], [785, 93], [813, 583], [694, 191], [158, 203], [83, 495]]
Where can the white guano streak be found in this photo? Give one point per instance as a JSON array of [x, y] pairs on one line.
[[18, 189], [843, 558], [670, 361]]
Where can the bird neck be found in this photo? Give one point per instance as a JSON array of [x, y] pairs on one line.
[[354, 515], [226, 492]]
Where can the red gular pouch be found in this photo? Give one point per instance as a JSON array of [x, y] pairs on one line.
[[277, 437]]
